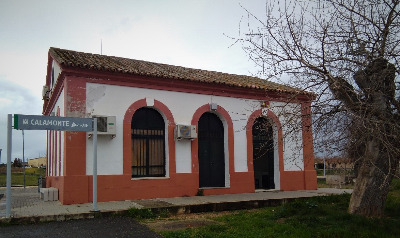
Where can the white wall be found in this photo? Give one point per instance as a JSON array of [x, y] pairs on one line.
[[57, 71], [289, 115], [114, 100]]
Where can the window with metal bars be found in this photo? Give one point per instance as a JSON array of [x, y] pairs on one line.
[[148, 143]]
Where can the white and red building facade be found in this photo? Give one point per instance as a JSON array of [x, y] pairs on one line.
[[145, 159]]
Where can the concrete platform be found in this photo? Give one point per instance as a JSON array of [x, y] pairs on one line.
[[28, 207]]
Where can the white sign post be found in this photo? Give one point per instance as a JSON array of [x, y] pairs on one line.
[[36, 122], [95, 209], [9, 145]]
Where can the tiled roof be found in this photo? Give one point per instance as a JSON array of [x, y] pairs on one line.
[[83, 60]]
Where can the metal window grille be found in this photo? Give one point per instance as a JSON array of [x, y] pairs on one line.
[[148, 144]]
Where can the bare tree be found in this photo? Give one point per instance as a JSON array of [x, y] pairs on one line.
[[348, 52], [17, 162]]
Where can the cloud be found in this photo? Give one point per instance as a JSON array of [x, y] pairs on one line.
[[184, 33], [18, 95], [17, 99]]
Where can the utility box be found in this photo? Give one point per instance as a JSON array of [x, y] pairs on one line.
[[185, 132], [105, 125], [49, 194], [335, 179], [41, 183]]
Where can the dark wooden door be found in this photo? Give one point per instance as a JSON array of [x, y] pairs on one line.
[[263, 154], [211, 151]]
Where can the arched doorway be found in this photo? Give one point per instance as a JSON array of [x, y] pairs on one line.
[[263, 154], [211, 151], [148, 143]]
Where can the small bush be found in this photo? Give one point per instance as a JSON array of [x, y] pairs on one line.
[[392, 205], [200, 192], [141, 213], [395, 185]]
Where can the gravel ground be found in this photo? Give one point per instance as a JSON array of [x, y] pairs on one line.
[[98, 227]]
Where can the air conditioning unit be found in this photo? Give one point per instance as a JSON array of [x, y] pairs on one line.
[[105, 125], [185, 132], [45, 92]]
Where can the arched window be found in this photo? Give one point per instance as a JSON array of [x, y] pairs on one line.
[[148, 143]]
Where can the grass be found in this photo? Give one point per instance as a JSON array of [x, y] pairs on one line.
[[312, 217], [322, 184], [17, 177], [392, 205], [341, 171]]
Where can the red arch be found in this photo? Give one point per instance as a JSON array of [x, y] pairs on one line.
[[127, 139], [195, 146], [249, 134]]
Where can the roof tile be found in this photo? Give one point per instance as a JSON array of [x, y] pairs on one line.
[[83, 60]]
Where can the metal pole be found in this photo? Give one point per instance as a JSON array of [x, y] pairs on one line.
[[9, 145], [95, 209], [23, 153]]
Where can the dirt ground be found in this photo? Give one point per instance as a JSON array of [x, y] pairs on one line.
[[184, 221]]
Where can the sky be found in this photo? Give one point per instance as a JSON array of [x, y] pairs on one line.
[[190, 33]]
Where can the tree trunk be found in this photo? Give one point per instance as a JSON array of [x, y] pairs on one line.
[[372, 184]]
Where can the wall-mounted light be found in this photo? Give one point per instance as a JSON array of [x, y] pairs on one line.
[[265, 104], [213, 106]]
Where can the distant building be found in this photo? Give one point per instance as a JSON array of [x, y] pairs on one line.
[[334, 163], [38, 162], [170, 131]]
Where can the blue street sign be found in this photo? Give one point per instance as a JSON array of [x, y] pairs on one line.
[[35, 122]]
